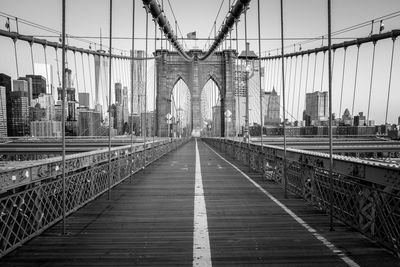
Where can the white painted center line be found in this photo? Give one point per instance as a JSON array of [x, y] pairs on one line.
[[314, 232], [201, 240]]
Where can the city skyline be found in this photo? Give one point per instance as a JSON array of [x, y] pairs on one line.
[[310, 27]]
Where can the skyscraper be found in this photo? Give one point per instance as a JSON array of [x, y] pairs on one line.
[[46, 128], [317, 107], [38, 85], [118, 93], [138, 82], [3, 112], [84, 99], [70, 97], [46, 71], [125, 104], [101, 78], [20, 114], [30, 86], [5, 81], [271, 108], [46, 101]]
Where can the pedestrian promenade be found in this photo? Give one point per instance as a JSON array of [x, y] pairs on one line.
[[193, 207]]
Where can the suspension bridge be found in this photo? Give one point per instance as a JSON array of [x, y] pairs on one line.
[[142, 148]]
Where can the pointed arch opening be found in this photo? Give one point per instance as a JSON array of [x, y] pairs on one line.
[[211, 108], [180, 122]]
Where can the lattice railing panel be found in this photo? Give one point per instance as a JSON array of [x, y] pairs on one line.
[[363, 195], [34, 207]]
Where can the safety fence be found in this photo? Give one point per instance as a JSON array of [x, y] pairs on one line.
[[363, 194], [31, 197]]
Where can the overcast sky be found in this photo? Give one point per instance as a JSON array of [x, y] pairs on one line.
[[303, 19]]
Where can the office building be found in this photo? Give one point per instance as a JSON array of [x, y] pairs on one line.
[[101, 78], [84, 99], [118, 93], [138, 82], [46, 128], [37, 113], [5, 81], [46, 101], [271, 108], [3, 112], [30, 87], [20, 114], [360, 119], [46, 71], [317, 108], [125, 105], [38, 85], [71, 103]]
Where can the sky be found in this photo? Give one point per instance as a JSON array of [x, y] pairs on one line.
[[302, 19]]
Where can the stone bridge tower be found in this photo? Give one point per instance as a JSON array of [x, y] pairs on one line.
[[171, 67]]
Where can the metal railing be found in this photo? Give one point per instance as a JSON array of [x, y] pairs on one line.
[[31, 197], [364, 195]]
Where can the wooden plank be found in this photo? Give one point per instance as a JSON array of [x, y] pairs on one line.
[[149, 222]]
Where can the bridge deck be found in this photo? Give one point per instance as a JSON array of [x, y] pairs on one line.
[[150, 221]]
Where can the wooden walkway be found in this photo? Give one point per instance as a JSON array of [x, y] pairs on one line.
[[150, 222]]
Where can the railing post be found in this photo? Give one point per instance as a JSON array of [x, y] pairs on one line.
[[63, 120]]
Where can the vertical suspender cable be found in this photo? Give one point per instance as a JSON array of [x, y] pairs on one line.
[[294, 86], [289, 83], [284, 107], [286, 68], [261, 92], [16, 56], [145, 88], [271, 71], [45, 63], [238, 79], [323, 69], [155, 78], [58, 69], [33, 64], [390, 80], [246, 126], [76, 73], [298, 98], [274, 73], [269, 74], [315, 68], [246, 123], [83, 72], [63, 121], [343, 72], [333, 61], [277, 74], [109, 106], [372, 78], [355, 80], [330, 114], [90, 78], [308, 67], [241, 79], [132, 70], [230, 32]]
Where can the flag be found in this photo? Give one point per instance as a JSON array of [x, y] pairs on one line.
[[381, 27], [191, 35]]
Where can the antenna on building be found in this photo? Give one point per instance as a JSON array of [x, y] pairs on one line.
[[101, 41]]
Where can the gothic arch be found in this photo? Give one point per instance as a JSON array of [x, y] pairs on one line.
[[212, 76], [171, 67], [176, 79]]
